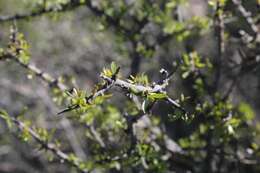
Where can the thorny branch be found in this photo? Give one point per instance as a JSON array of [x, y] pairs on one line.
[[139, 89], [160, 87], [134, 88], [109, 82], [104, 88], [113, 81]]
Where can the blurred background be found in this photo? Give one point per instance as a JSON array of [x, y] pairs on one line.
[[76, 45]]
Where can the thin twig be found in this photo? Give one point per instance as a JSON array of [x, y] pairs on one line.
[[248, 16], [104, 88], [52, 82], [219, 32], [48, 146], [47, 78], [139, 89], [63, 8]]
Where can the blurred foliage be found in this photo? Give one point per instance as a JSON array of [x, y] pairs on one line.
[[121, 125]]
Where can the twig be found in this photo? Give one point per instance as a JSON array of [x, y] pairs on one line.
[[63, 8], [139, 89], [97, 136], [248, 16], [230, 89], [48, 146], [52, 82], [219, 32], [47, 78], [104, 88], [112, 21]]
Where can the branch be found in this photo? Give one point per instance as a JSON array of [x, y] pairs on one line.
[[112, 21], [63, 8], [52, 82], [219, 32], [67, 7], [104, 88], [140, 89], [248, 16], [47, 78], [48, 146]]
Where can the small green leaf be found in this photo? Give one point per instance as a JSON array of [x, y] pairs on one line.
[[6, 117], [171, 4], [114, 67], [230, 130], [157, 95], [185, 74], [247, 111]]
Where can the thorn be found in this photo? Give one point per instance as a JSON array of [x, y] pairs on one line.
[[70, 108]]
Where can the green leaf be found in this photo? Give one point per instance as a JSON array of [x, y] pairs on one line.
[[230, 130], [171, 4], [157, 95], [246, 109], [185, 74], [6, 117], [25, 134], [114, 67], [169, 27]]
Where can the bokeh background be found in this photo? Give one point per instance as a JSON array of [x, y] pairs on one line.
[[75, 45]]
